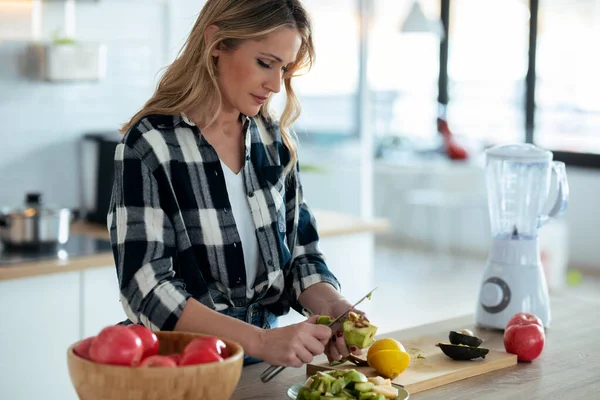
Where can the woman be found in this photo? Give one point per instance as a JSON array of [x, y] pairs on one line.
[[208, 224]]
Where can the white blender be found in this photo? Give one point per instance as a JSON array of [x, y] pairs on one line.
[[518, 180]]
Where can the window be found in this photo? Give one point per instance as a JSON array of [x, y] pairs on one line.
[[328, 93], [568, 79], [403, 70], [487, 66], [491, 100]]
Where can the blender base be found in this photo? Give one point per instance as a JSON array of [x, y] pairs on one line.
[[508, 289]]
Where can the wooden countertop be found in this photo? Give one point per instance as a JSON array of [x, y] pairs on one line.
[[329, 223], [568, 368]]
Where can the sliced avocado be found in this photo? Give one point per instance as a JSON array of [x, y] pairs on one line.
[[367, 396], [336, 363], [338, 385], [307, 394], [348, 394], [353, 375], [467, 340], [364, 386], [314, 384], [462, 352], [326, 377], [303, 393]]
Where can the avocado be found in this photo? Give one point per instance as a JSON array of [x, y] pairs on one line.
[[364, 386], [467, 340], [324, 320], [368, 396], [462, 352], [338, 385], [358, 331], [353, 375], [307, 394]]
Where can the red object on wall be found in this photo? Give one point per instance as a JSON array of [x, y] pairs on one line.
[[453, 150]]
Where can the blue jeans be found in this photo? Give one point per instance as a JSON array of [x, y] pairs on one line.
[[256, 315]]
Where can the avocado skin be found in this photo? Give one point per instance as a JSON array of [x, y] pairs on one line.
[[459, 338], [461, 352]]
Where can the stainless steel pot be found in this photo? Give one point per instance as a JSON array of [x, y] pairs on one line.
[[34, 224]]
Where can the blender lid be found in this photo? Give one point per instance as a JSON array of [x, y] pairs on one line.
[[522, 152]]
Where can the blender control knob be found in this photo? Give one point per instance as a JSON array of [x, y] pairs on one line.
[[491, 294], [495, 295]]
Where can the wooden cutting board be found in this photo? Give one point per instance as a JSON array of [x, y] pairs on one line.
[[435, 369]]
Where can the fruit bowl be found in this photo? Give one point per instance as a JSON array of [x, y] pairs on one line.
[[215, 381]]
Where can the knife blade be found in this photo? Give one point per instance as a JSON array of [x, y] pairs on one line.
[[274, 370], [352, 307]]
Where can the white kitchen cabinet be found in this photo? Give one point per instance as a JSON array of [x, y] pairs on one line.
[[100, 305], [39, 319]]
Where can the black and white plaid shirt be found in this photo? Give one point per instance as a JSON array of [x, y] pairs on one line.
[[173, 231]]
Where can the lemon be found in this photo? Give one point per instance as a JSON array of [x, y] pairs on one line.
[[388, 357], [389, 363], [385, 344]]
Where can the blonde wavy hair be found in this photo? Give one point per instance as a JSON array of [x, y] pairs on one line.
[[191, 81]]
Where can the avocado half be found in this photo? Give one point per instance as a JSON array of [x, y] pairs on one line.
[[462, 352], [467, 340], [357, 330]]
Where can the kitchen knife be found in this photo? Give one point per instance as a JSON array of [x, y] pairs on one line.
[[368, 295], [274, 370]]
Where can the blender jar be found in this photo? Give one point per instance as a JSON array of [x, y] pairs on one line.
[[518, 180]]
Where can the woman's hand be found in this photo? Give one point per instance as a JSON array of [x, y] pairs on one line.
[[337, 349], [294, 345]]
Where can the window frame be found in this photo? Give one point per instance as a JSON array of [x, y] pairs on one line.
[[576, 159]]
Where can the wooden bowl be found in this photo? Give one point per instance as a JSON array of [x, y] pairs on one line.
[[214, 381]]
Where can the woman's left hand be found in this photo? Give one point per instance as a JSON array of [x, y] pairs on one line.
[[337, 349]]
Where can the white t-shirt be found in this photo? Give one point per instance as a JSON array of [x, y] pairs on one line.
[[245, 225]]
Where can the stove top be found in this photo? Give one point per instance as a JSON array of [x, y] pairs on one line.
[[76, 246]]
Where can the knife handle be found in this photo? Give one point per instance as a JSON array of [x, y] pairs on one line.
[[271, 373]]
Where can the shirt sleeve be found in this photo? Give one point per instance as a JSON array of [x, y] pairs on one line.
[[143, 243], [308, 264]]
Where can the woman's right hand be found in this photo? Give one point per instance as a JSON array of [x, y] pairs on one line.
[[294, 345]]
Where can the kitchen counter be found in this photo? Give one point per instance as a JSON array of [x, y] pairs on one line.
[[330, 224], [568, 368]]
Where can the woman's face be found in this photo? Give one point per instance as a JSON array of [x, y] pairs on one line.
[[249, 74]]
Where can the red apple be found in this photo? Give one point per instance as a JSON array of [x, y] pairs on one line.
[[525, 318], [82, 349], [175, 357], [202, 356], [524, 340], [149, 339], [207, 342], [158, 361], [202, 350], [117, 345]]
